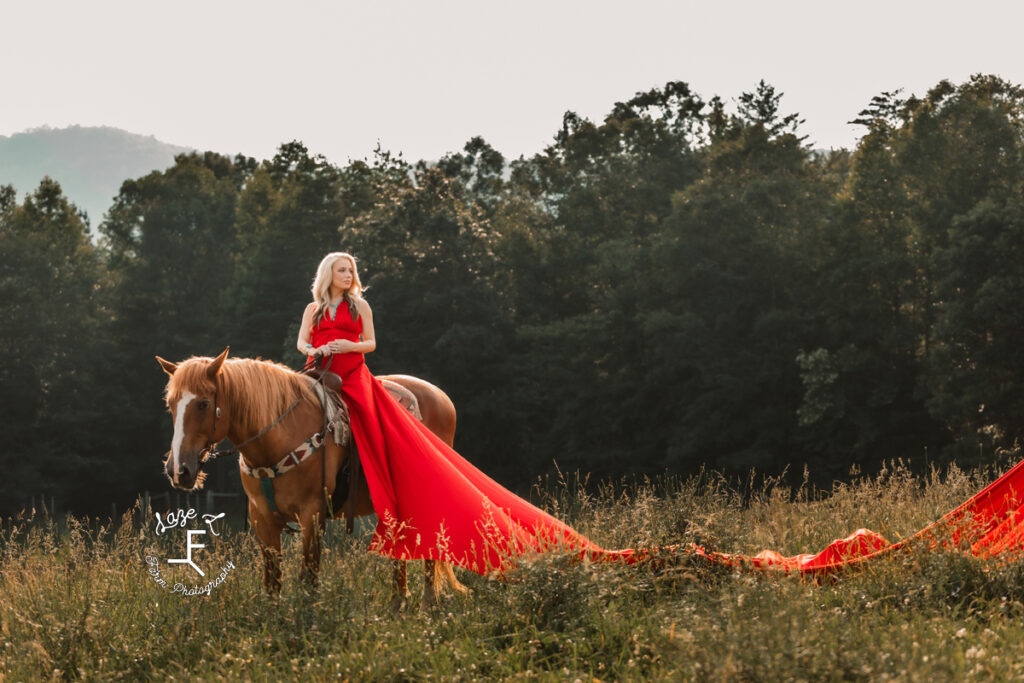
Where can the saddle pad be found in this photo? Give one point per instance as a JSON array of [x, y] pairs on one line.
[[404, 397], [337, 415]]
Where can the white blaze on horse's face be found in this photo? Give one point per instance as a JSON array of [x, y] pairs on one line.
[[179, 430], [194, 423]]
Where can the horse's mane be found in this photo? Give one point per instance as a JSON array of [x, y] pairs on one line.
[[259, 391]]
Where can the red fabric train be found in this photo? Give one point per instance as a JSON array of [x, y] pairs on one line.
[[433, 504], [990, 524]]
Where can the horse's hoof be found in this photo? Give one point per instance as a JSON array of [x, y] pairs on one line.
[[398, 603], [430, 599]]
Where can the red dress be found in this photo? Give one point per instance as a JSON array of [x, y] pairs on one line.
[[431, 503]]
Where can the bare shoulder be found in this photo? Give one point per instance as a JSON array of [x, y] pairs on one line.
[[310, 309], [364, 307]]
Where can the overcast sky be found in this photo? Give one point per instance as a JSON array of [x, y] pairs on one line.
[[422, 77]]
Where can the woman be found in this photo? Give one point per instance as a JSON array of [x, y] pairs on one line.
[[431, 503]]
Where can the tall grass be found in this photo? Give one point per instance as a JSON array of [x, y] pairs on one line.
[[76, 600]]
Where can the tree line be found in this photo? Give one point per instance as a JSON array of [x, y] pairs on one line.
[[682, 284]]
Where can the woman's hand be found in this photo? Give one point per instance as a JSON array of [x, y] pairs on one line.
[[341, 346]]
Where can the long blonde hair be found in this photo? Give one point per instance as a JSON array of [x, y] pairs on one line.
[[321, 288]]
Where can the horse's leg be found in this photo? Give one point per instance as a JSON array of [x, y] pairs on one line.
[[439, 416], [268, 534], [399, 585], [431, 585], [315, 510], [312, 524]]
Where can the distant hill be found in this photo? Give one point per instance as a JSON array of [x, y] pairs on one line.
[[89, 163]]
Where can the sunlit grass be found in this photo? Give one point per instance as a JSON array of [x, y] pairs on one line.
[[76, 600]]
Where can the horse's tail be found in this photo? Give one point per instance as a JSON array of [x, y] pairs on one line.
[[444, 578]]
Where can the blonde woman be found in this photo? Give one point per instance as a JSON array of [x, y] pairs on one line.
[[338, 320]]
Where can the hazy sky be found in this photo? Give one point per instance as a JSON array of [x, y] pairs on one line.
[[422, 77]]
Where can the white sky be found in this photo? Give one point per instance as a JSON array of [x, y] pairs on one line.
[[422, 76]]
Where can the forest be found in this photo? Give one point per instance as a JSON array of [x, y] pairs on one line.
[[685, 284]]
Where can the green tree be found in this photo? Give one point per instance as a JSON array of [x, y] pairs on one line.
[[963, 156], [975, 358], [734, 265], [583, 276], [860, 375], [932, 190], [431, 272], [287, 220], [170, 237], [53, 359], [920, 263]]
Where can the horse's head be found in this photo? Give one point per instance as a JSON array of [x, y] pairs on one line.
[[191, 396]]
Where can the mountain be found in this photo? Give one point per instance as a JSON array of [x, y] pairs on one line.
[[90, 163]]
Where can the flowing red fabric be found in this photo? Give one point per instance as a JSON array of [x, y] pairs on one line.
[[990, 524], [430, 502], [433, 504]]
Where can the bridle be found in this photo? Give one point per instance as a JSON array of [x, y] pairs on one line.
[[205, 454]]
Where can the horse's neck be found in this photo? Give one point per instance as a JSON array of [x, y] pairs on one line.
[[280, 439]]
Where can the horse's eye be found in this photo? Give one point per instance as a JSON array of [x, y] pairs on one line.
[[204, 404]]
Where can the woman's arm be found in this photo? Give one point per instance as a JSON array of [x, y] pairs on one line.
[[368, 341], [302, 344]]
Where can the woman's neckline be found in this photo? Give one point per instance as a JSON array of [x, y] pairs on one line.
[[332, 309]]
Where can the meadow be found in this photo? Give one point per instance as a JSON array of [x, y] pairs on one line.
[[77, 600]]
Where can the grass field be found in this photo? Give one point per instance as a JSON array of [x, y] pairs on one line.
[[77, 599]]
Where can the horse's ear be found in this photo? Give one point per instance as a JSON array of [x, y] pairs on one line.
[[214, 368], [167, 365]]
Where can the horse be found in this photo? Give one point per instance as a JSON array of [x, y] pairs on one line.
[[210, 399]]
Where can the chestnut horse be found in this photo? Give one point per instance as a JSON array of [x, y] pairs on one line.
[[211, 399]]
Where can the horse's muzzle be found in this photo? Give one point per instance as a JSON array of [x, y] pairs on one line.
[[187, 475]]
